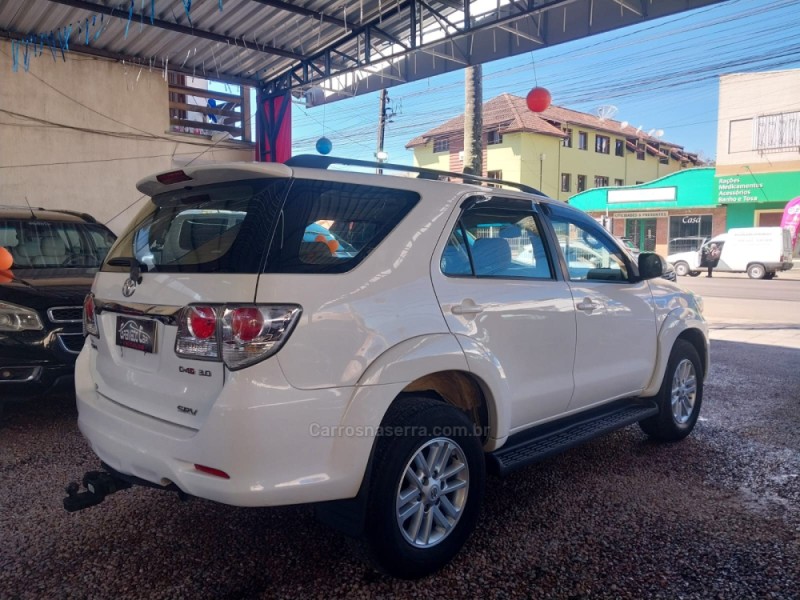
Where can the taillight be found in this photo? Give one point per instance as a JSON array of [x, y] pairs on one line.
[[252, 333], [246, 323], [202, 322], [247, 334], [172, 177], [197, 333], [89, 319]]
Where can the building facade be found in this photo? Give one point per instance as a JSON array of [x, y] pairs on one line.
[[78, 133], [757, 172], [758, 146], [559, 151]]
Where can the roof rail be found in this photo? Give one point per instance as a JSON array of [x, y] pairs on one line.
[[85, 216], [323, 162]]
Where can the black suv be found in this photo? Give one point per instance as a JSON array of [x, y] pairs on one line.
[[56, 254]]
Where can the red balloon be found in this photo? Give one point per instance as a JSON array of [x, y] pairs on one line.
[[538, 99], [6, 260]]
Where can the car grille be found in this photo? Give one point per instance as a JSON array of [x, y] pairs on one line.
[[71, 342], [65, 314]]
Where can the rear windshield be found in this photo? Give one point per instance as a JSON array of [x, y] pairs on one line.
[[276, 226], [37, 243]]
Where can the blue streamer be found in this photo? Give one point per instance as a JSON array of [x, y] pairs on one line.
[[49, 39], [87, 31], [187, 6], [152, 10], [67, 35], [130, 16], [26, 59], [220, 5], [99, 29], [15, 56]]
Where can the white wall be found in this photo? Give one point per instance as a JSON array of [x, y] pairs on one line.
[[106, 127]]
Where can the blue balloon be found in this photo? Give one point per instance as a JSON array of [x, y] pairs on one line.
[[324, 145]]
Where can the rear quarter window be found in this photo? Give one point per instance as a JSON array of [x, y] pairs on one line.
[[330, 227]]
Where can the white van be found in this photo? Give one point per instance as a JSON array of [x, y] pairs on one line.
[[758, 251]]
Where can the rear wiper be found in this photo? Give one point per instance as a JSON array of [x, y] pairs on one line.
[[128, 261]]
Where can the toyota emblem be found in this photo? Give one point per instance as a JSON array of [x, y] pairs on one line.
[[128, 287]]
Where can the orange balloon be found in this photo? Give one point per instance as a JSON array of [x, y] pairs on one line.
[[320, 238], [6, 260], [5, 277], [333, 246]]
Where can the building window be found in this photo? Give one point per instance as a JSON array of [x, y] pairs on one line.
[[600, 181], [602, 144], [441, 144], [493, 136], [567, 141], [687, 232], [664, 160], [619, 182], [774, 132], [581, 183], [640, 150], [565, 182], [583, 140], [639, 182], [494, 175], [619, 147]]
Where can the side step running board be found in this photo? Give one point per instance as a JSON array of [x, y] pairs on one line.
[[539, 443]]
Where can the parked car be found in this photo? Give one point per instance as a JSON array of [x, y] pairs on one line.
[[380, 383], [760, 252], [56, 255]]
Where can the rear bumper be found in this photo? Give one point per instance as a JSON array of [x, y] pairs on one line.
[[262, 432]]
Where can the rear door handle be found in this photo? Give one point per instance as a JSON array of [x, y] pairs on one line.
[[588, 305], [467, 307]]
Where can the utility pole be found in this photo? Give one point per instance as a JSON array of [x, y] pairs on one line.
[[380, 155], [473, 120]]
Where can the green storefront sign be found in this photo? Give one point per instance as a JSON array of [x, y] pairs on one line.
[[758, 188]]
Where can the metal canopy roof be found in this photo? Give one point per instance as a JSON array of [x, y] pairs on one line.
[[346, 47]]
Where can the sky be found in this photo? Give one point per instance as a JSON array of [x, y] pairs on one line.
[[660, 75]]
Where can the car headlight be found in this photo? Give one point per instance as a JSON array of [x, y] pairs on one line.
[[18, 318]]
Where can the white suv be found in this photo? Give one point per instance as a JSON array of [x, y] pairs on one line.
[[269, 334]]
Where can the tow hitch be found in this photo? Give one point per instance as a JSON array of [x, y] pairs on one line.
[[98, 484]]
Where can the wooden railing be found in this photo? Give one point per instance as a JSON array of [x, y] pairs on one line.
[[231, 113]]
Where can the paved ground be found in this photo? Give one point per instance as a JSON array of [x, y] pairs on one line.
[[753, 311], [715, 516]]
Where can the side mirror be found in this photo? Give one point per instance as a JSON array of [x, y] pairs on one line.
[[652, 265]]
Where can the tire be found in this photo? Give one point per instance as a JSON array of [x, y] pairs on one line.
[[681, 268], [756, 271], [694, 273], [680, 397], [397, 546]]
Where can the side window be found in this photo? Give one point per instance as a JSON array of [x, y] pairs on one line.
[[499, 238], [589, 254]]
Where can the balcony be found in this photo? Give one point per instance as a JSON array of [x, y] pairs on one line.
[[201, 111]]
